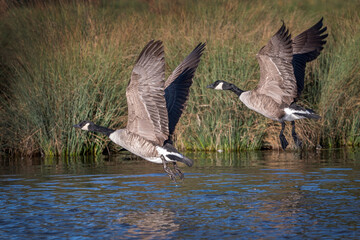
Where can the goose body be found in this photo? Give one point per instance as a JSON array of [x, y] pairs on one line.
[[147, 149], [282, 69], [154, 107], [255, 103]]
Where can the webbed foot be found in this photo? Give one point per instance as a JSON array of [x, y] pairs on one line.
[[167, 169], [178, 171]]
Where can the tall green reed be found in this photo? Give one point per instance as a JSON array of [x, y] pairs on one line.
[[65, 62]]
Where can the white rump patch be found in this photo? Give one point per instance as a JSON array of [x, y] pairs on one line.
[[290, 116], [219, 86], [86, 127], [164, 152]]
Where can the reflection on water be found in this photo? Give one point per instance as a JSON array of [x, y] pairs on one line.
[[265, 194], [153, 224]]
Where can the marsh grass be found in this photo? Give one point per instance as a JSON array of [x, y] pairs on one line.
[[63, 62]]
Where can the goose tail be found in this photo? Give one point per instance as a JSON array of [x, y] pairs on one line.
[[170, 153], [294, 112], [309, 114], [189, 162]]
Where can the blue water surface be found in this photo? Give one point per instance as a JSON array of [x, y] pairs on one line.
[[251, 195]]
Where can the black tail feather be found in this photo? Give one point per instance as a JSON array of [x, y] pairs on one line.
[[308, 115], [189, 162], [304, 112]]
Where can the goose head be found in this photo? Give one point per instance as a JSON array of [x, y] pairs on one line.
[[220, 85], [90, 126], [85, 125]]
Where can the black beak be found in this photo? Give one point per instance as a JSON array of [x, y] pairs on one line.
[[210, 86], [76, 126]]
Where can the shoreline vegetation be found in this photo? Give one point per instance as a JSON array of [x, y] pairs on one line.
[[65, 61]]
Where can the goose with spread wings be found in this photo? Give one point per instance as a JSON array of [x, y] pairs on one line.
[[282, 69], [154, 107]]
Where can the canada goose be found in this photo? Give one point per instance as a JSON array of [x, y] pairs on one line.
[[282, 69], [154, 107]]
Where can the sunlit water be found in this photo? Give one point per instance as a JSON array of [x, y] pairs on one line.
[[256, 195]]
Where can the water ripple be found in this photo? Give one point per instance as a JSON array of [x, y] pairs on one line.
[[214, 203]]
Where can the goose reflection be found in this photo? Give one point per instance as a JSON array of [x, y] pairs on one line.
[[153, 224]]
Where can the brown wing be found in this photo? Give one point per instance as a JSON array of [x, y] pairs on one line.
[[147, 114], [277, 78]]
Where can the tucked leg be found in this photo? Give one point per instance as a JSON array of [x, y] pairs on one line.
[[178, 171], [284, 142], [294, 135], [167, 169]]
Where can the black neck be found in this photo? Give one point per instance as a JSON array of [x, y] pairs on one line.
[[100, 129], [234, 89]]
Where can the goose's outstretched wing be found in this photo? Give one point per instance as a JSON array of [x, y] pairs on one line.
[[307, 47], [178, 84], [191, 61], [147, 114], [277, 78]]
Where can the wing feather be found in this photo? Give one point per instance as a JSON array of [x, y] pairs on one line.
[[306, 48], [147, 113], [178, 86], [191, 61], [277, 78]]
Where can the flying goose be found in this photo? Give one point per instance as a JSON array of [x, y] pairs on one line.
[[282, 69], [154, 107]]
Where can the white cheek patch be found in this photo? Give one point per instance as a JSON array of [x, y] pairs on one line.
[[86, 127], [219, 86]]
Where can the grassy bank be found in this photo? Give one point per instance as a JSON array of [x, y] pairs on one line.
[[64, 62]]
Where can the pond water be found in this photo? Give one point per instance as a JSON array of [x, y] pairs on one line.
[[256, 195]]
